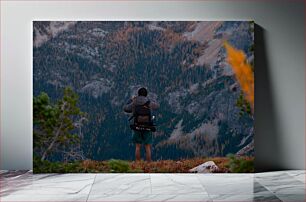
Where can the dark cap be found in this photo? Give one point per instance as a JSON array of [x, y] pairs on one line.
[[142, 92]]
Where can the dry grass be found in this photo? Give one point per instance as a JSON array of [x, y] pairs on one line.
[[181, 166], [120, 166], [162, 166]]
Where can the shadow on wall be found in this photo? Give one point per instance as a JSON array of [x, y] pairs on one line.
[[268, 154]]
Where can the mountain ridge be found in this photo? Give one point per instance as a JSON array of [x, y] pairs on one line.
[[106, 62]]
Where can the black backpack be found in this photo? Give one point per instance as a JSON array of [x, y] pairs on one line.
[[142, 118], [142, 114]]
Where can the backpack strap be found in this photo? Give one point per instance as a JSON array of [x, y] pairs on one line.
[[147, 103], [131, 117]]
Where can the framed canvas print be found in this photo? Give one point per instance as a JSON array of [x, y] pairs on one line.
[[143, 96]]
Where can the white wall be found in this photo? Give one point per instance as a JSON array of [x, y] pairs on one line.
[[279, 91]]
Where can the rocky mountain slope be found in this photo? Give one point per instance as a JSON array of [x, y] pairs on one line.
[[181, 63]]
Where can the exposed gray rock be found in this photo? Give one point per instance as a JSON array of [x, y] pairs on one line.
[[247, 150], [97, 88], [207, 167]]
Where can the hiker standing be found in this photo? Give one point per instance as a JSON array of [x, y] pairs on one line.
[[140, 106]]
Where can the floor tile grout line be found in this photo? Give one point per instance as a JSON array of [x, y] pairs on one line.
[[203, 186], [91, 187], [209, 197], [269, 191], [292, 179], [151, 183]]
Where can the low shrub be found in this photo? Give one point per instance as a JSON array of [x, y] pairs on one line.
[[240, 164], [118, 166]]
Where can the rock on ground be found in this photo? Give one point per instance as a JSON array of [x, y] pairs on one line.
[[207, 167]]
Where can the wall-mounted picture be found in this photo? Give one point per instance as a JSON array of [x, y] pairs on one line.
[[143, 96]]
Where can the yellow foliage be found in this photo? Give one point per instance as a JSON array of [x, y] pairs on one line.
[[242, 70]]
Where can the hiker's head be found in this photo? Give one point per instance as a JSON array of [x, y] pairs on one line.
[[142, 92]]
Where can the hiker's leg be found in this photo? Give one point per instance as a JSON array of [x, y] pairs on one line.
[[137, 152], [148, 152]]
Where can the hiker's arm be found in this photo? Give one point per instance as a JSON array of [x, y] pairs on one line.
[[128, 107], [154, 105]]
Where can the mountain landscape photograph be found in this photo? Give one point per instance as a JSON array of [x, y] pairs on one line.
[[201, 74]]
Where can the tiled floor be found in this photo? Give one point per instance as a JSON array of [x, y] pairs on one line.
[[272, 186]]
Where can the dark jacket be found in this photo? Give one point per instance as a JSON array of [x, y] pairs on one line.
[[139, 100]]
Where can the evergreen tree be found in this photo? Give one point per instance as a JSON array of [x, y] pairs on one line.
[[57, 127]]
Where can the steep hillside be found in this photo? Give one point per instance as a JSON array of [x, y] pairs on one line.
[[181, 63]]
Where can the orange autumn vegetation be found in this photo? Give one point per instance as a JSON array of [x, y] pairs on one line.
[[180, 166], [169, 39], [242, 70], [122, 35], [226, 164], [161, 166]]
